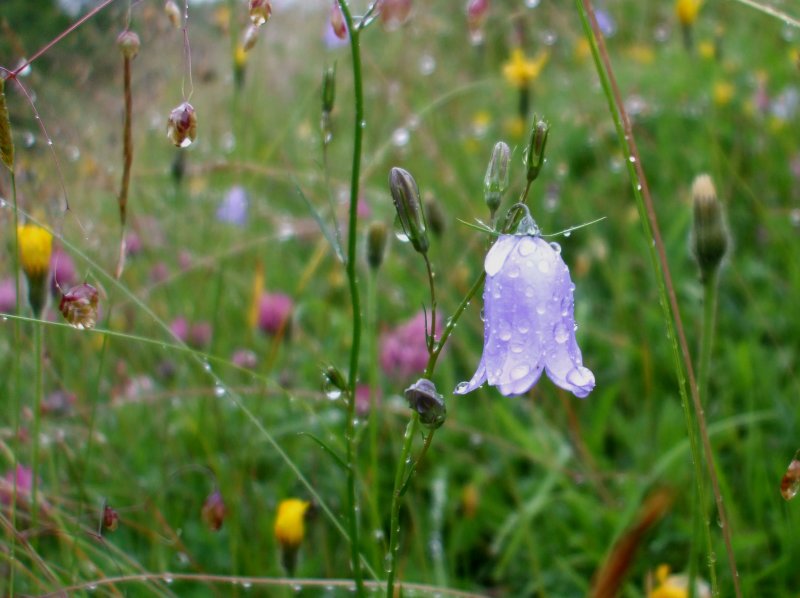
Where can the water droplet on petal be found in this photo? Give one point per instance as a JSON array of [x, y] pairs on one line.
[[555, 247], [560, 333], [520, 372], [540, 309], [513, 272], [527, 246], [580, 376], [544, 266]]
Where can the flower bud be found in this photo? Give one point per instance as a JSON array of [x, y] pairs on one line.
[[423, 398], [249, 38], [214, 511], [290, 530], [110, 519], [182, 125], [173, 13], [6, 141], [79, 306], [495, 182], [128, 43], [260, 11], [709, 231], [338, 23], [328, 88], [534, 155], [376, 244], [410, 214]]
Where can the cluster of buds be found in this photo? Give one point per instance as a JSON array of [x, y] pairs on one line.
[[182, 125]]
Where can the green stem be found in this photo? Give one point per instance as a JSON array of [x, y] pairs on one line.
[[401, 479], [666, 290], [352, 278], [374, 414], [37, 410], [17, 384]]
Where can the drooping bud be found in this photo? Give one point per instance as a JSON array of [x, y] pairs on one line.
[[495, 182], [110, 519], [376, 244], [260, 11], [338, 23], [423, 398], [173, 13], [709, 231], [214, 511], [790, 482], [534, 155], [249, 38], [328, 88], [410, 213], [79, 306], [182, 125], [6, 141], [128, 43]]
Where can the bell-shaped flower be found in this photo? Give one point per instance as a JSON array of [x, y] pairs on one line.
[[529, 322]]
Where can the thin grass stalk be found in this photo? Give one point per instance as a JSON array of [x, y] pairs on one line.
[[666, 289], [352, 279], [374, 416], [127, 161], [16, 365], [37, 420]]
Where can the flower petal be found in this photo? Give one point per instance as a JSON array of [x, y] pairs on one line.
[[497, 255]]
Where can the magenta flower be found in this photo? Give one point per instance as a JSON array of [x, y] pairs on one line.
[[180, 328], [24, 481], [529, 322], [8, 296], [274, 312], [404, 352]]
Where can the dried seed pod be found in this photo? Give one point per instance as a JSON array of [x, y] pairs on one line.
[[214, 511], [260, 11], [182, 125], [79, 306], [129, 44]]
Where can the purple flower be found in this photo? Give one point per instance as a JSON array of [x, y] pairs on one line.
[[8, 296], [403, 350], [233, 208], [180, 328], [199, 335], [529, 322], [274, 312], [24, 481]]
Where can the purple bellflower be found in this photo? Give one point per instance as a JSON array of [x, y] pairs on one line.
[[529, 322]]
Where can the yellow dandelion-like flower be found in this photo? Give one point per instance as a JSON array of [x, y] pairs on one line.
[[290, 522], [686, 11], [722, 93], [35, 247], [676, 586], [520, 70]]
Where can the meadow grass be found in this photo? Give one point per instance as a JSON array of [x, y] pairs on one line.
[[520, 496]]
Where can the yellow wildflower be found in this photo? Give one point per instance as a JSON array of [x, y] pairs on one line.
[[240, 56], [686, 11], [290, 522], [676, 586], [35, 247], [722, 93], [519, 71]]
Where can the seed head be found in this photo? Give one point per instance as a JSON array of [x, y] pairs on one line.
[[79, 306], [182, 125], [129, 44]]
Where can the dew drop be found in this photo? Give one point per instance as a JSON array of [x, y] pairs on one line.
[[526, 246], [517, 348], [580, 376], [427, 64], [544, 266], [532, 3], [513, 272], [400, 137], [505, 335], [399, 232], [219, 391], [529, 291], [560, 333], [568, 233], [555, 247], [540, 309], [461, 388], [520, 372]]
